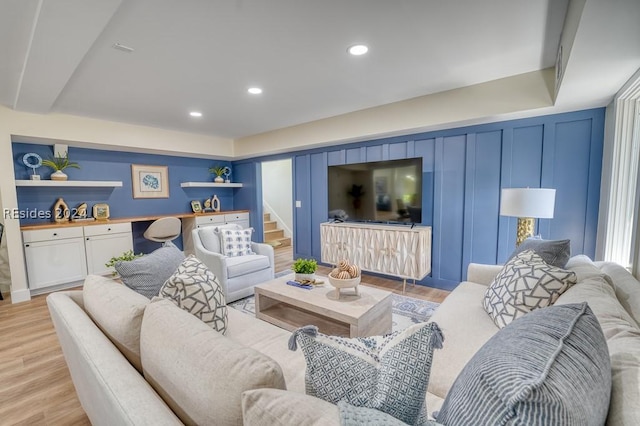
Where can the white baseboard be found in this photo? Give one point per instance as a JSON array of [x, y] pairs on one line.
[[20, 296]]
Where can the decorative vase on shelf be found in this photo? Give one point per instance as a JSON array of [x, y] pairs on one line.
[[219, 179], [59, 175]]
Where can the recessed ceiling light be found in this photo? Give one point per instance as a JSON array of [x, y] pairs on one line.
[[254, 90], [195, 114], [358, 49]]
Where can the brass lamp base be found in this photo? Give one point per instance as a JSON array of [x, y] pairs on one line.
[[525, 229]]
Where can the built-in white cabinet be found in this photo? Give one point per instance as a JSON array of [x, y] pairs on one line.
[[102, 242], [54, 256], [401, 251], [191, 223], [64, 255]]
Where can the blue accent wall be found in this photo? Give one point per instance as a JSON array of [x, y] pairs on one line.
[[464, 170], [116, 166]]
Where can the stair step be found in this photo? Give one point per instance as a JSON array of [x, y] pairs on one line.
[[279, 242], [270, 225], [266, 217], [273, 234]]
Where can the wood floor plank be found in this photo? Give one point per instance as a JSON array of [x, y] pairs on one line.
[[35, 384]]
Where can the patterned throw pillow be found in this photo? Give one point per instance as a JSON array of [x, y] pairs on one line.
[[236, 242], [554, 252], [525, 283], [551, 367], [194, 288], [389, 373]]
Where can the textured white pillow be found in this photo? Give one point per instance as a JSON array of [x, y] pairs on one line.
[[525, 283], [194, 288], [236, 242]]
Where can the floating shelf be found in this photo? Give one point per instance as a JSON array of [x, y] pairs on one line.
[[70, 183], [210, 185]]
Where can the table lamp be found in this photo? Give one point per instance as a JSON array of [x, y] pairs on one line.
[[527, 204]]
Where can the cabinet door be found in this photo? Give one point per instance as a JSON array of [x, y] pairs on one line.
[[56, 262], [101, 248]]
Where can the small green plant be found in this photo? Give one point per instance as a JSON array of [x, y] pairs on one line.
[[218, 170], [305, 266], [60, 162], [126, 256]]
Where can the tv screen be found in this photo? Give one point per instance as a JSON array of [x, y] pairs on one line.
[[382, 191]]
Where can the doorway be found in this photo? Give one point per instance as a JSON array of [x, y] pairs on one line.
[[277, 208]]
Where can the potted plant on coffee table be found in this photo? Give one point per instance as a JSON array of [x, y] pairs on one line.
[[305, 269]]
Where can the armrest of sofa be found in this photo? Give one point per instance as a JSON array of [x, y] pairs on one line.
[[482, 274], [265, 250]]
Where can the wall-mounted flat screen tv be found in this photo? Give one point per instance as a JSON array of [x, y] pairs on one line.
[[381, 191]]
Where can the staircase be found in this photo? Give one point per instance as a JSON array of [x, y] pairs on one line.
[[272, 234]]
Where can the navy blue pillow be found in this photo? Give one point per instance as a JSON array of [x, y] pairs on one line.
[[553, 252], [147, 274]]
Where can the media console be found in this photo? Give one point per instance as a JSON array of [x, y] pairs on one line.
[[397, 250]]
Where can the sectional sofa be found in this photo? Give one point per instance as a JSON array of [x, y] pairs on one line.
[[138, 362]]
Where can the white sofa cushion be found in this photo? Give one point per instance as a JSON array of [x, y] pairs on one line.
[[275, 407], [117, 311], [627, 288], [243, 265], [194, 288], [200, 373]]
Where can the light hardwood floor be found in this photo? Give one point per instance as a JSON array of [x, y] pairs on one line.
[[35, 385]]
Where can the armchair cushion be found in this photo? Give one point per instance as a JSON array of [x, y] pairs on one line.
[[242, 265], [236, 242], [210, 238]]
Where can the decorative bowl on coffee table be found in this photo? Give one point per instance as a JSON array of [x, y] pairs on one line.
[[340, 284]]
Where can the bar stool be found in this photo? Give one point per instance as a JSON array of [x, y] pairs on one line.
[[164, 230]]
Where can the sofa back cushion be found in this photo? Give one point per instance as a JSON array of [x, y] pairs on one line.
[[627, 288], [198, 372], [550, 367], [117, 311]]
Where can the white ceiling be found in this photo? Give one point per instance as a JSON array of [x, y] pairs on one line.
[[203, 55]]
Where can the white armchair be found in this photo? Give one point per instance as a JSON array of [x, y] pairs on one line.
[[237, 275]]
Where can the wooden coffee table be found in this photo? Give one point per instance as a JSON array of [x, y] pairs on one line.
[[350, 315]]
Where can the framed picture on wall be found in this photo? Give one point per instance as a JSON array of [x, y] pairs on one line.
[[150, 181]]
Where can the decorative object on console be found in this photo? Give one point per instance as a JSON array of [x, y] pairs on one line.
[[219, 171], [527, 204], [524, 284], [194, 288], [227, 174], [60, 211], [389, 373], [150, 181], [58, 163], [207, 206], [305, 269], [32, 161], [215, 203], [196, 207], [345, 275], [549, 367], [101, 211], [80, 214]]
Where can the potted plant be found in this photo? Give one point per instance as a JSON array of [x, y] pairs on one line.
[[219, 171], [58, 163], [305, 269], [357, 193], [126, 256]]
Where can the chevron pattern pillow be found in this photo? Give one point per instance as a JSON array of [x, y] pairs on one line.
[[236, 242], [388, 373], [194, 288], [525, 283]]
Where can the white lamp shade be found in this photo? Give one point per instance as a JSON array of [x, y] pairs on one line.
[[528, 202]]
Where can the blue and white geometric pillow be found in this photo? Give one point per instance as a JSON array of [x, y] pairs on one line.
[[388, 373], [236, 242], [525, 283], [194, 288]]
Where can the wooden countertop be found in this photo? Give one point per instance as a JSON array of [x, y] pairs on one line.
[[49, 225]]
